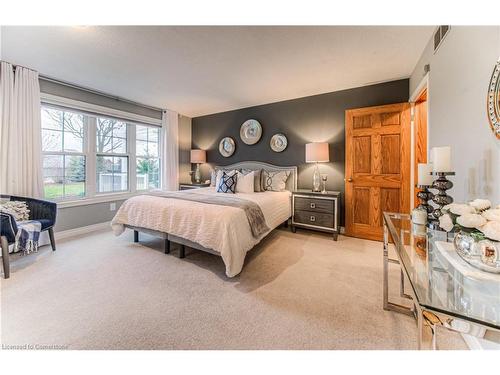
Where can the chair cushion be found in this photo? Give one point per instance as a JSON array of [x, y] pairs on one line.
[[46, 223]]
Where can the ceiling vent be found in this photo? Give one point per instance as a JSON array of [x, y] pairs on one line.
[[439, 36]]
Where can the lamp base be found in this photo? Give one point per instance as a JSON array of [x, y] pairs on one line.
[[197, 174], [316, 180]]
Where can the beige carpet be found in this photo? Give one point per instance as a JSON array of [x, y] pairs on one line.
[[296, 291]]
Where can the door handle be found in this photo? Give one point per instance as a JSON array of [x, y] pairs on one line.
[[349, 179]]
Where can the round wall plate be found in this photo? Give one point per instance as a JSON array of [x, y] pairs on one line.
[[227, 146], [494, 100], [250, 132], [278, 142]]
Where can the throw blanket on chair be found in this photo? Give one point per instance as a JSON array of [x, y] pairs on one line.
[[252, 210], [28, 233]]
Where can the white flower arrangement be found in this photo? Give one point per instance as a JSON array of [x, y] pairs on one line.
[[480, 204], [491, 230], [471, 220], [460, 209], [476, 217], [493, 214], [446, 223]]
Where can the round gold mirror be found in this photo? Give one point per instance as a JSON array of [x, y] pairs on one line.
[[494, 100]]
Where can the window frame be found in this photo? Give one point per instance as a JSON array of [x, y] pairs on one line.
[[129, 128], [143, 157], [63, 153], [91, 112]]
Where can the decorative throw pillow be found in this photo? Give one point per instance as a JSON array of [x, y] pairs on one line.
[[227, 183], [257, 187], [218, 175], [274, 180], [245, 183], [18, 209]]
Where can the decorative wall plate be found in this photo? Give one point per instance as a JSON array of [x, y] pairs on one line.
[[227, 147], [494, 101], [250, 132], [278, 142]]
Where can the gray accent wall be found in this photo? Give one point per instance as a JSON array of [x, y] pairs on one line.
[[318, 118]]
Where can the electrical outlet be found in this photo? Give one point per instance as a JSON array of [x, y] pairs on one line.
[[112, 206]]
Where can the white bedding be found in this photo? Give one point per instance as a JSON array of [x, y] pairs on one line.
[[221, 228]]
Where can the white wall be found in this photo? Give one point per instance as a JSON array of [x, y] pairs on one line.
[[460, 72]]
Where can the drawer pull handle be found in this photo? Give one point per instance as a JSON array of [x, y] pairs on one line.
[[312, 218], [313, 205]]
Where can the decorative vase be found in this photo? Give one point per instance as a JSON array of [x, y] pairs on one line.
[[478, 251]]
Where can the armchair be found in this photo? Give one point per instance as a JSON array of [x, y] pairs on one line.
[[43, 211]]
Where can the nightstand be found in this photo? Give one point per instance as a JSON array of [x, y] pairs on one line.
[[316, 211], [192, 186]]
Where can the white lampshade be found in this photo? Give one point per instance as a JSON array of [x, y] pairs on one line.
[[198, 156], [317, 152]]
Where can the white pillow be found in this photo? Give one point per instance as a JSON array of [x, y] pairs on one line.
[[219, 175], [244, 183]]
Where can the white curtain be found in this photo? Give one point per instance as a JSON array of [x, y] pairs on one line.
[[170, 150], [6, 113], [21, 139]]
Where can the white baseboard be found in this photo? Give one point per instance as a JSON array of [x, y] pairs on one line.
[[82, 230]]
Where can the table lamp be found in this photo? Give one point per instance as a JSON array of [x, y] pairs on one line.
[[198, 157], [317, 152]]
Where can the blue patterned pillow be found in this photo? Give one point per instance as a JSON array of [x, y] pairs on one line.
[[227, 183]]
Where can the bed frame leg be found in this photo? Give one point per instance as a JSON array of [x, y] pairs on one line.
[[167, 246], [182, 253], [136, 236]]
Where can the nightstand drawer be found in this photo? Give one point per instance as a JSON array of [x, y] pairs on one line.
[[314, 205], [313, 218]]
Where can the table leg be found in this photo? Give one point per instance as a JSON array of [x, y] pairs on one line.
[[434, 337], [386, 268], [420, 327]]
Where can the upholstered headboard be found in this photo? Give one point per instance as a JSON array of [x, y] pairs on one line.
[[291, 183]]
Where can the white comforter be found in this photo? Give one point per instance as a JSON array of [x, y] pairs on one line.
[[223, 229]]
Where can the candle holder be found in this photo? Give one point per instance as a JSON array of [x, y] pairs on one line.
[[441, 198], [424, 195]]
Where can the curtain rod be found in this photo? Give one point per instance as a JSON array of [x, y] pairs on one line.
[[83, 88]]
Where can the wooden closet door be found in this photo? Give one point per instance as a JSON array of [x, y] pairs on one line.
[[377, 167]]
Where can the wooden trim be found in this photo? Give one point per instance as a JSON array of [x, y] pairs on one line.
[[420, 130]]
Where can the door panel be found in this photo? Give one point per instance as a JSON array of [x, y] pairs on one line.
[[377, 167], [390, 147], [361, 202], [362, 150]]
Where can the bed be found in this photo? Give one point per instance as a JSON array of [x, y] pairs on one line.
[[186, 218]]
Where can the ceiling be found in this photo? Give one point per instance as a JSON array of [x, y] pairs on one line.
[[208, 69]]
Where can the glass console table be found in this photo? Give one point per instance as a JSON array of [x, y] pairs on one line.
[[442, 294]]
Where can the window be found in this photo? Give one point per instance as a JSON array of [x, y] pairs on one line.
[[63, 135], [77, 145], [112, 157], [147, 157]]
